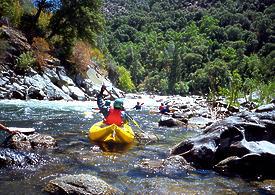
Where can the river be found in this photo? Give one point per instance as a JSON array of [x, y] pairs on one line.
[[67, 123]]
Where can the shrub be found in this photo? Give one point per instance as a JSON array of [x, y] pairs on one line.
[[11, 9], [41, 49], [124, 80], [181, 88], [44, 20], [81, 57], [25, 60]]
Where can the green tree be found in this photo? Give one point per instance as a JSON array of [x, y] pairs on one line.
[[77, 19], [12, 10], [124, 80]]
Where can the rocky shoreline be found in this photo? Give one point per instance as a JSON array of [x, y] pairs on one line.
[[52, 82]]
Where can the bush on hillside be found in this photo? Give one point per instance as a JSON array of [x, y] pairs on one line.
[[81, 57], [124, 81], [41, 49], [25, 61]]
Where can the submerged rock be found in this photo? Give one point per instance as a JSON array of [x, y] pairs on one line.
[[80, 184], [174, 166], [10, 157]]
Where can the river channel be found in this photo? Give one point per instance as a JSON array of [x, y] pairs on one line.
[[75, 154]]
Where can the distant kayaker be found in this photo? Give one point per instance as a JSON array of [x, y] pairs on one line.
[[112, 115], [138, 106], [161, 107]]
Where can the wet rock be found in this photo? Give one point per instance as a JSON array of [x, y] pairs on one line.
[[17, 95], [53, 92], [250, 165], [146, 137], [233, 109], [83, 184], [235, 145], [35, 93], [172, 166], [171, 122], [265, 187], [10, 157], [28, 142]]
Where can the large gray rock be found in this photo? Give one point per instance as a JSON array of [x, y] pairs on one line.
[[82, 184], [51, 74], [63, 78], [243, 144], [27, 142], [76, 93]]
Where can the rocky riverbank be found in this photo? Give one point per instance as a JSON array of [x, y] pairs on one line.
[[52, 82]]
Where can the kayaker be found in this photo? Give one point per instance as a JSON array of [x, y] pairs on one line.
[[161, 107], [138, 106], [112, 115], [165, 110]]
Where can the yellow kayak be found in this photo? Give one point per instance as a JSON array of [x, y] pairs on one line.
[[101, 132]]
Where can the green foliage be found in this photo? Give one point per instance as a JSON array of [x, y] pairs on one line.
[[77, 20], [12, 10], [124, 80], [25, 60], [266, 92], [167, 46], [175, 41], [233, 91], [181, 88]]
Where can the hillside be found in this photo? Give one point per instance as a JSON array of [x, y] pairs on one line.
[[192, 46], [212, 47]]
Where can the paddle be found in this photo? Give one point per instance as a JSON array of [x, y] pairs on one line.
[[13, 130], [21, 130], [135, 122]]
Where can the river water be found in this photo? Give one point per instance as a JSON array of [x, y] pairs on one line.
[[68, 123]]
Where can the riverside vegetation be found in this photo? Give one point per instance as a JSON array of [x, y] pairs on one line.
[[167, 47]]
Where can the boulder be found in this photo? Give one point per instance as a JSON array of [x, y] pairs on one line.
[[27, 142], [235, 145], [82, 184], [171, 122], [63, 78]]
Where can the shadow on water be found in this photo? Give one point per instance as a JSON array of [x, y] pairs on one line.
[[114, 148], [116, 164]]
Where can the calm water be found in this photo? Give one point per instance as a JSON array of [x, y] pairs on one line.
[[66, 122]]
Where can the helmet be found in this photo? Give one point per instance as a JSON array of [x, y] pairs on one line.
[[118, 104], [107, 103]]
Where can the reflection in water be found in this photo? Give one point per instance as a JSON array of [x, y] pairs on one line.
[[66, 122], [114, 147]]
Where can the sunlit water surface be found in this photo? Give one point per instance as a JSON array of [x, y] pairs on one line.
[[67, 123]]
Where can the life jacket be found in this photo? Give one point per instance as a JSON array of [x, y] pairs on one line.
[[114, 117], [161, 108]]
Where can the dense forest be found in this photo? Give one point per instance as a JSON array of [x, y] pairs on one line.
[[215, 47]]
